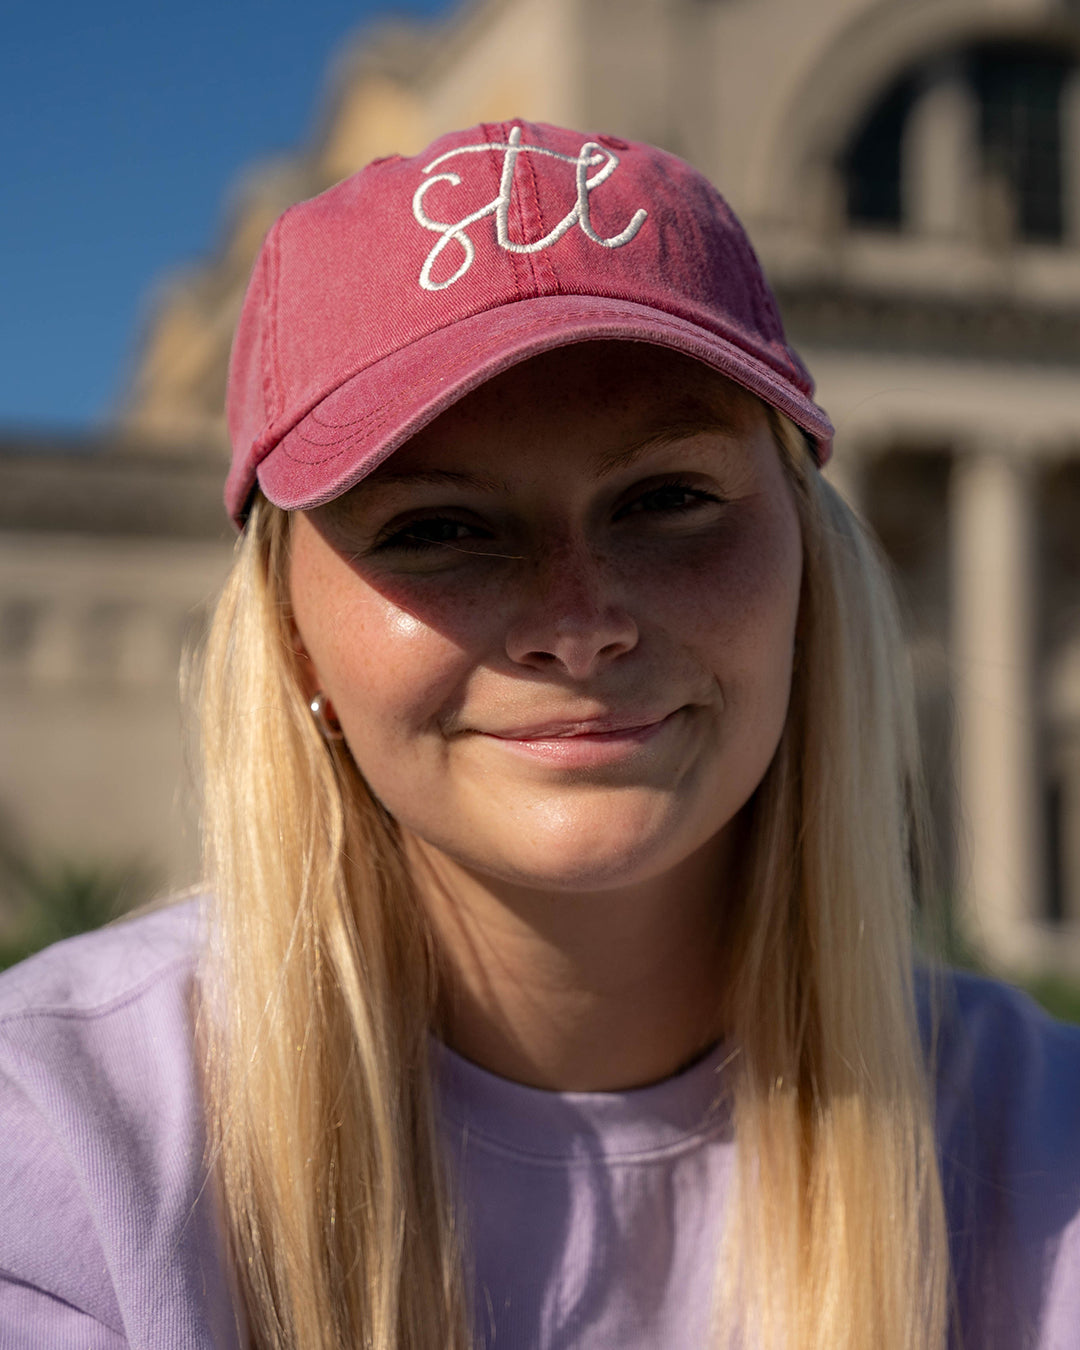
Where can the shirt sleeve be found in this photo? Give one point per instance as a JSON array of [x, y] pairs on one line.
[[110, 1233]]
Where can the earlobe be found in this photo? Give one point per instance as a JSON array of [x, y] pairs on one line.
[[322, 710], [310, 683]]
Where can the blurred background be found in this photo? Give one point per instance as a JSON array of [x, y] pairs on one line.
[[910, 174]]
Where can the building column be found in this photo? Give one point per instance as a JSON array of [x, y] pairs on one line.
[[994, 606], [1070, 158], [939, 155]]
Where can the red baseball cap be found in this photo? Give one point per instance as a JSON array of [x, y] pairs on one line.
[[376, 305]]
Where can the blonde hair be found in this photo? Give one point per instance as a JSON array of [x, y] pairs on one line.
[[839, 1238], [320, 989]]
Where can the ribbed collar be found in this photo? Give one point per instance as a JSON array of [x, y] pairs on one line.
[[583, 1126]]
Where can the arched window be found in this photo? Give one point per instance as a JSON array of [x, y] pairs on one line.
[[1020, 133], [1016, 142], [873, 169]]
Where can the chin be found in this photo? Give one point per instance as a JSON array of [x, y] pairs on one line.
[[566, 855]]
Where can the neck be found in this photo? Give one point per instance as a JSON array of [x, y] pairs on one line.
[[602, 991]]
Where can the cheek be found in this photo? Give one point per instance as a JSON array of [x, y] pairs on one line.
[[389, 671], [736, 600], [750, 653], [384, 669], [764, 606]]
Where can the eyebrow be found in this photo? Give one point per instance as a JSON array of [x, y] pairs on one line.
[[434, 478], [704, 422], [699, 418]]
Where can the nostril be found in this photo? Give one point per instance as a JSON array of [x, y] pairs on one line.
[[577, 649]]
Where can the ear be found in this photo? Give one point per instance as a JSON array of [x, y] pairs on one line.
[[311, 688], [307, 674]]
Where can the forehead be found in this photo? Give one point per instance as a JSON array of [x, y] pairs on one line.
[[604, 397]]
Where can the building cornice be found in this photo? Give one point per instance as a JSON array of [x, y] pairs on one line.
[[858, 319], [91, 488]]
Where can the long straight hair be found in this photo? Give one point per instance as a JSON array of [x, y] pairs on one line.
[[838, 1236], [320, 986]]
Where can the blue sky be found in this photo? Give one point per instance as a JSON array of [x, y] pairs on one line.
[[125, 122]]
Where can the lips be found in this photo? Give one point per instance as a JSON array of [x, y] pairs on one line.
[[574, 728], [588, 743]]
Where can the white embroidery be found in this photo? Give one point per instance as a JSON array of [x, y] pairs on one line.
[[587, 158]]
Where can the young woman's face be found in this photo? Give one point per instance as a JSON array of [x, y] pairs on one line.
[[557, 626]]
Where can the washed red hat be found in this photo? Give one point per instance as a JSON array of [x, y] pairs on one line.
[[376, 305]]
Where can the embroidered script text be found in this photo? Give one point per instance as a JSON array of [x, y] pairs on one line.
[[590, 157]]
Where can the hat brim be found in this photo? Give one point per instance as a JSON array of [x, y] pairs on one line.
[[373, 412]]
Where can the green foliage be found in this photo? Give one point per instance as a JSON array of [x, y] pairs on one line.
[[1059, 995], [58, 899]]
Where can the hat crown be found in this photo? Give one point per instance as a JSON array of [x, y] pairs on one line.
[[484, 222]]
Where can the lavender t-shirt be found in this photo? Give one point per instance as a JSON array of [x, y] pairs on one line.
[[593, 1218]]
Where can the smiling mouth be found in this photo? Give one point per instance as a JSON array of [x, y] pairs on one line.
[[591, 728], [587, 743]]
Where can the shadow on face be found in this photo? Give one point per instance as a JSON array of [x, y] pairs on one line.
[[569, 601], [561, 422]]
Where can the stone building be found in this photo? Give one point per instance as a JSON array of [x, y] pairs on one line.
[[910, 173]]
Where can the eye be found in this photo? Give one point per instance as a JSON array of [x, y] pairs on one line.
[[673, 497], [429, 533]]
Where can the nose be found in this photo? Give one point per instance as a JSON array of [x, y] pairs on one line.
[[570, 616]]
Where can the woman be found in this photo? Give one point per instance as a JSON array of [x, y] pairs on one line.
[[556, 987]]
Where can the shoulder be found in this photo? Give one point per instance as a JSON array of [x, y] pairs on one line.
[[1008, 1113], [101, 1025], [101, 1129], [998, 1051], [92, 972]]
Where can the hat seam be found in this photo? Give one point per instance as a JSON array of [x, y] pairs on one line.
[[539, 261], [493, 132]]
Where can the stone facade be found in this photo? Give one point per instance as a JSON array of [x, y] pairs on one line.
[[910, 174], [107, 558]]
